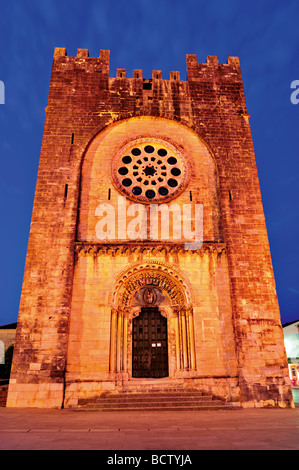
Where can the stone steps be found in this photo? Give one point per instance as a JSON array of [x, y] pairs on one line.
[[153, 400], [166, 398]]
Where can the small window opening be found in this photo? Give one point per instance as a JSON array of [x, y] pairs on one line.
[[147, 86], [72, 140], [174, 77], [230, 195], [190, 195], [109, 194], [65, 191], [137, 75], [121, 75]]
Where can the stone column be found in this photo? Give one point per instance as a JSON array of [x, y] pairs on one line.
[[191, 339], [125, 343], [185, 341], [181, 347], [119, 338], [177, 343], [112, 366], [184, 338], [118, 343]]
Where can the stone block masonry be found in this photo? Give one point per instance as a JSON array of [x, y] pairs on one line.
[[74, 335]]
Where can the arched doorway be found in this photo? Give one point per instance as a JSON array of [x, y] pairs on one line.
[[152, 332], [150, 346]]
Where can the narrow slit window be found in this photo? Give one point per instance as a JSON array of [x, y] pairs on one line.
[[109, 194], [190, 195], [65, 191], [72, 140], [229, 195]]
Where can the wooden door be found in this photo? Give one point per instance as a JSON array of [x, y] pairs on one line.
[[150, 351]]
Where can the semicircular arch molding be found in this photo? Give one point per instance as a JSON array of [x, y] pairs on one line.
[[101, 162], [152, 274], [100, 131]]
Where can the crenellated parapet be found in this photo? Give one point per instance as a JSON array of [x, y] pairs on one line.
[[209, 86], [100, 64], [195, 69]]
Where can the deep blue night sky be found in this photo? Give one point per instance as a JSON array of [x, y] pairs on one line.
[[152, 34]]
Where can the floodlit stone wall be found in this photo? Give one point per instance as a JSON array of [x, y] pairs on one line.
[[73, 337]]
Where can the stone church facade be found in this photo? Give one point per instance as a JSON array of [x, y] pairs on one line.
[[148, 255]]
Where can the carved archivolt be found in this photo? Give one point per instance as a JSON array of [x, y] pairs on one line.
[[155, 284], [155, 275]]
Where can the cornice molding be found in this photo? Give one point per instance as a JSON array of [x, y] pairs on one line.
[[121, 247]]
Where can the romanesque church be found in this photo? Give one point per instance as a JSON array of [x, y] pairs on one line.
[[148, 261]]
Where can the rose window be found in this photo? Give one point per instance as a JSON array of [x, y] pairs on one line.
[[149, 171]]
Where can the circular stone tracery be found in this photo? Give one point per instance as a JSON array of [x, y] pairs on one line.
[[149, 171]]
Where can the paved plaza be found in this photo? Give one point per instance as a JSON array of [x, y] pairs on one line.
[[242, 429]]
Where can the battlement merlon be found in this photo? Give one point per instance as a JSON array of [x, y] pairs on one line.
[[195, 70], [222, 75], [81, 53], [102, 63]]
